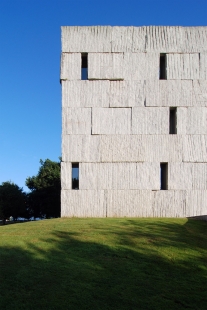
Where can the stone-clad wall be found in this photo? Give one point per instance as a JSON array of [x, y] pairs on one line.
[[123, 66], [106, 39], [116, 123]]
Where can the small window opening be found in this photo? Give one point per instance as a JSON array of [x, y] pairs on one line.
[[84, 66], [163, 176], [163, 66], [173, 121], [75, 176]]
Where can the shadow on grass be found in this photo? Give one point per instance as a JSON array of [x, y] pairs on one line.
[[141, 271]]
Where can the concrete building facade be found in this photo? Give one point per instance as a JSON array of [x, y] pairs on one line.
[[134, 121]]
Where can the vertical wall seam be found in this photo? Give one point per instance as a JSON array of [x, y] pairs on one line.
[[91, 122], [131, 122]]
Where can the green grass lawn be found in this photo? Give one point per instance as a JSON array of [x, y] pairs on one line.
[[104, 264]]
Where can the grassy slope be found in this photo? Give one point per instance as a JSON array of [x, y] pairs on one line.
[[104, 264]]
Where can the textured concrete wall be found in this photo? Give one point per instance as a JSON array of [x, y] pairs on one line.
[[125, 94], [86, 39], [129, 148], [105, 66], [111, 121], [192, 120], [116, 124], [82, 203], [129, 203], [70, 66], [66, 175], [195, 148], [76, 121], [200, 92], [169, 93], [141, 66], [150, 120], [120, 176], [183, 66], [85, 94], [190, 176], [162, 39], [203, 66], [81, 148]]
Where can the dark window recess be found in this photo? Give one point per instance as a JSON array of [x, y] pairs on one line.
[[84, 66], [75, 176], [163, 67], [173, 121], [163, 176]]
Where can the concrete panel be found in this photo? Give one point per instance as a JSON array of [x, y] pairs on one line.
[[150, 120], [152, 66], [164, 39], [141, 66], [77, 94], [66, 176], [139, 39], [86, 39], [121, 39], [120, 176], [167, 203], [195, 148], [105, 66], [183, 66], [203, 66], [147, 176], [180, 176], [128, 39], [200, 92], [192, 120], [76, 121], [195, 39], [126, 94], [70, 66], [80, 148], [175, 93], [146, 148], [134, 66], [169, 93], [121, 148], [168, 39], [103, 175], [199, 176], [80, 203], [111, 121], [129, 203], [127, 148], [152, 38], [162, 148], [90, 177], [182, 120], [196, 203], [133, 203], [153, 93]]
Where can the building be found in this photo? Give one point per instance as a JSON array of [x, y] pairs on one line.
[[134, 121]]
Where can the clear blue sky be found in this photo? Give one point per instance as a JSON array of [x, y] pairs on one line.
[[30, 92]]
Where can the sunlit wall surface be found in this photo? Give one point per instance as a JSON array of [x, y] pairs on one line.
[[134, 121]]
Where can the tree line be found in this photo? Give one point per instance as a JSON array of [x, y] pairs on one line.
[[43, 200]]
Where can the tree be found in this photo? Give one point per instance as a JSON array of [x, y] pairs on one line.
[[12, 201], [44, 199]]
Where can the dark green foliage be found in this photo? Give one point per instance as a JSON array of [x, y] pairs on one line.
[[44, 199], [12, 201]]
